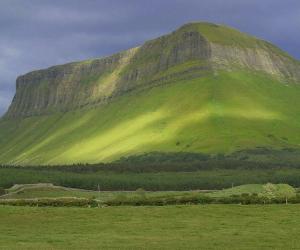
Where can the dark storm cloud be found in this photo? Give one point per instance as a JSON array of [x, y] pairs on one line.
[[39, 33]]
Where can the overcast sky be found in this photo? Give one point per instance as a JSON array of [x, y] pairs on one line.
[[39, 33]]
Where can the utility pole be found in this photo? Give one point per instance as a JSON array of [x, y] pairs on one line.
[[98, 191]]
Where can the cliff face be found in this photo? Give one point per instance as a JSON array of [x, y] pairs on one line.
[[193, 50], [67, 86]]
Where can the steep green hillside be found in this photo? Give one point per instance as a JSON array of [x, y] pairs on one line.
[[222, 113], [204, 88]]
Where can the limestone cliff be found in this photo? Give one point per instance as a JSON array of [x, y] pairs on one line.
[[193, 50]]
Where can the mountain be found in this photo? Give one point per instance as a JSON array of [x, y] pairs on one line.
[[204, 88]]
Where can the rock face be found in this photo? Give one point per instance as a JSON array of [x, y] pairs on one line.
[[193, 50]]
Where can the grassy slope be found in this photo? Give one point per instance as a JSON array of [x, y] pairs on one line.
[[220, 113], [42, 190], [169, 227], [249, 189], [228, 36], [225, 35]]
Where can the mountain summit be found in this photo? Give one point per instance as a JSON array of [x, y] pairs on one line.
[[204, 88]]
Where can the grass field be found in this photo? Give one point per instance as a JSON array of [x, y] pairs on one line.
[[36, 194], [45, 190], [248, 188], [50, 191], [170, 227]]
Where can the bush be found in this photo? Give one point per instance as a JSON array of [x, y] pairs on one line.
[[160, 201], [61, 202], [141, 192], [2, 191], [277, 193]]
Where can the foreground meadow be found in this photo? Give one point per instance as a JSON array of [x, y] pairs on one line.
[[168, 227]]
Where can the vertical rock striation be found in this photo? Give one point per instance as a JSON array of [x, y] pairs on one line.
[[193, 50]]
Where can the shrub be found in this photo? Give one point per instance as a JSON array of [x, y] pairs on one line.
[[277, 193], [141, 192], [61, 202], [2, 191]]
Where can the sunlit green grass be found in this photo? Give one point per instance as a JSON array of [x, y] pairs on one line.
[[214, 114], [249, 189], [29, 191], [169, 227]]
